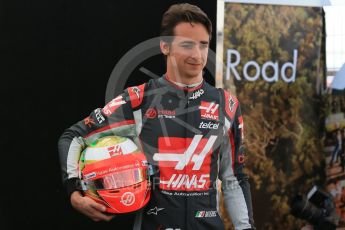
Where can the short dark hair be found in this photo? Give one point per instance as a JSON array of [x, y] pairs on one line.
[[183, 12]]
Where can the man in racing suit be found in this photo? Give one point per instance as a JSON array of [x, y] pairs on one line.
[[190, 131]]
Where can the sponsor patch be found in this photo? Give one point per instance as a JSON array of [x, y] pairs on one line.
[[160, 113], [115, 150], [136, 95], [205, 214], [150, 113], [89, 122], [113, 105], [232, 104], [165, 113], [209, 125], [209, 110], [127, 199], [100, 118], [89, 175], [184, 163], [154, 211], [136, 90], [196, 94]]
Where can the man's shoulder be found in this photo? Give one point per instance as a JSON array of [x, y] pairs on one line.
[[227, 93], [230, 103], [137, 93]]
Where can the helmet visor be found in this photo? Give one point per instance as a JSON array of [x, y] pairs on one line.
[[117, 180]]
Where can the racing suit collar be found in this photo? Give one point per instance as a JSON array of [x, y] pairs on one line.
[[187, 88]]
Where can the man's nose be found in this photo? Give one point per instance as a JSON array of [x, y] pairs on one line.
[[196, 52]]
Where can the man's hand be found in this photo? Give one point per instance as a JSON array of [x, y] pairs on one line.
[[89, 207]]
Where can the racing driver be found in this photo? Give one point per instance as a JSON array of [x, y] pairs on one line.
[[190, 132]]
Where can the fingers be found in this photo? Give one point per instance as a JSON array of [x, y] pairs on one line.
[[97, 206], [95, 210], [90, 208], [97, 216], [98, 210]]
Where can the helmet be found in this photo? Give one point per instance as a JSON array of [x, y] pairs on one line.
[[113, 172]]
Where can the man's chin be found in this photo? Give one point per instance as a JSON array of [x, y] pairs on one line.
[[193, 74]]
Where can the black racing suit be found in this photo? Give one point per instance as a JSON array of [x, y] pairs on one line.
[[193, 139]]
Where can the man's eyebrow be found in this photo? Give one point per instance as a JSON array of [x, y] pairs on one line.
[[193, 42], [189, 42]]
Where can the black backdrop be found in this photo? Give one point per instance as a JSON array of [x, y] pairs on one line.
[[56, 59]]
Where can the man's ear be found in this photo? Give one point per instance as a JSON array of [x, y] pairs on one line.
[[165, 47]]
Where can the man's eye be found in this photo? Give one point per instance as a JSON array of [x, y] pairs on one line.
[[204, 46], [188, 46]]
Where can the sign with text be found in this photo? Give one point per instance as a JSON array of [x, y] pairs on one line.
[[273, 62]]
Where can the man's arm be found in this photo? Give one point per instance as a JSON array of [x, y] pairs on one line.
[[235, 185], [116, 118]]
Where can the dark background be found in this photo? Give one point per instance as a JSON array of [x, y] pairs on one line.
[[56, 59]]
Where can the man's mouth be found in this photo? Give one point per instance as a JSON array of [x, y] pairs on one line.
[[192, 63]]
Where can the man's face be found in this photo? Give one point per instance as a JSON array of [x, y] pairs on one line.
[[187, 53]]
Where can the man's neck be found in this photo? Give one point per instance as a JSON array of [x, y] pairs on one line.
[[186, 85], [184, 80]]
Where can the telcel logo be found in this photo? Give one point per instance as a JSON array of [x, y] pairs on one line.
[[232, 63], [209, 125]]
